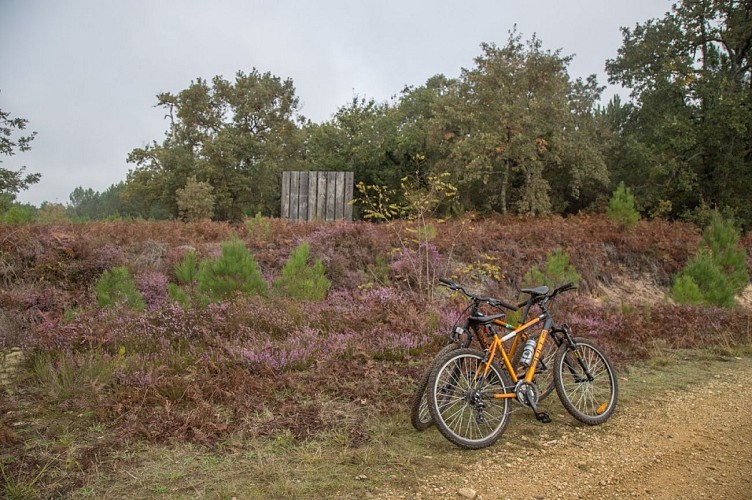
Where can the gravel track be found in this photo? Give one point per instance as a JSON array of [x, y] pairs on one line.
[[694, 443]]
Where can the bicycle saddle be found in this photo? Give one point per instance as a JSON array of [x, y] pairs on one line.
[[485, 320], [540, 290]]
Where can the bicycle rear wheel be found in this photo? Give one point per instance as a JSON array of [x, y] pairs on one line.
[[420, 415], [586, 382], [461, 399]]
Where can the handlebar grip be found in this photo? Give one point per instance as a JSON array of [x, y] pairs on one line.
[[497, 302]]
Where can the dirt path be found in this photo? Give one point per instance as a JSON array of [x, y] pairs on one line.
[[694, 443]]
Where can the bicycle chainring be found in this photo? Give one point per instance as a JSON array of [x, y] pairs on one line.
[[527, 394]]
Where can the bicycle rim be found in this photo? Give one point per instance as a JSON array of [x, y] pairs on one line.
[[589, 401], [462, 403], [420, 415]]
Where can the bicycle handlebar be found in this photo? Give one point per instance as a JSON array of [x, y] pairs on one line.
[[452, 285], [563, 288]]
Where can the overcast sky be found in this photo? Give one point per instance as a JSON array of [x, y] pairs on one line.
[[85, 73]]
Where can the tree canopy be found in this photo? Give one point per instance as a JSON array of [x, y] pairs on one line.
[[514, 133], [236, 136], [685, 142], [11, 141]]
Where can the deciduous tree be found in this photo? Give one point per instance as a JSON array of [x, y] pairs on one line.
[[13, 181], [238, 136], [687, 136]]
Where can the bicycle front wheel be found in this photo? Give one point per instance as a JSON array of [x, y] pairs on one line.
[[420, 415], [586, 382], [462, 401]]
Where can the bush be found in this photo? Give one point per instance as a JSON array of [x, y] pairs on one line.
[[195, 201], [557, 271], [300, 281], [116, 286], [259, 227], [233, 271], [621, 207], [19, 214], [718, 272]]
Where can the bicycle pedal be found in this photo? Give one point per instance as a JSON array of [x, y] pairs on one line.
[[542, 416]]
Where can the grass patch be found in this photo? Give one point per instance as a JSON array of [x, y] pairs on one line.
[[366, 454]]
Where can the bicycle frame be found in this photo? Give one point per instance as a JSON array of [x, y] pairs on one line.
[[497, 345]]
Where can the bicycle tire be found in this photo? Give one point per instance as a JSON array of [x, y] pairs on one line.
[[456, 396], [544, 373], [420, 415], [589, 401]]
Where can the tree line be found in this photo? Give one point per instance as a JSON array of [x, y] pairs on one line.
[[514, 132]]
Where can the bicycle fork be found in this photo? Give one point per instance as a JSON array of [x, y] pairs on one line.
[[572, 346]]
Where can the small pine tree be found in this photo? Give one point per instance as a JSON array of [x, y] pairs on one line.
[[117, 286], [721, 238], [233, 271], [300, 281], [186, 271], [621, 207], [718, 272], [685, 290], [558, 270]]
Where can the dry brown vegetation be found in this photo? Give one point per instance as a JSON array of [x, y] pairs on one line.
[[269, 367]]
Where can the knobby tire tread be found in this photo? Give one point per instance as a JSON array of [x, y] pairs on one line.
[[421, 394]]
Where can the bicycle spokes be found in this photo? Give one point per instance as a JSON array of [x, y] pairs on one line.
[[586, 383], [464, 405]]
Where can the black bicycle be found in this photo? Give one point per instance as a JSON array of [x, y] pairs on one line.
[[471, 391], [482, 328]]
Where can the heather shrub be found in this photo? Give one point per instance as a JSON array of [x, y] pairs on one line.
[[718, 272], [153, 288], [117, 286], [557, 271], [621, 207], [233, 271], [301, 281], [349, 251]]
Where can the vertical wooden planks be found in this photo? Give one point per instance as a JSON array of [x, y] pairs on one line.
[[303, 197], [285, 195], [349, 181], [339, 195], [321, 200], [313, 184], [317, 195], [294, 192]]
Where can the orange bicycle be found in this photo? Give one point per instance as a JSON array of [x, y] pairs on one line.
[[471, 391], [482, 327]]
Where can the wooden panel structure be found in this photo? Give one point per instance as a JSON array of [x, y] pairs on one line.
[[317, 195]]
